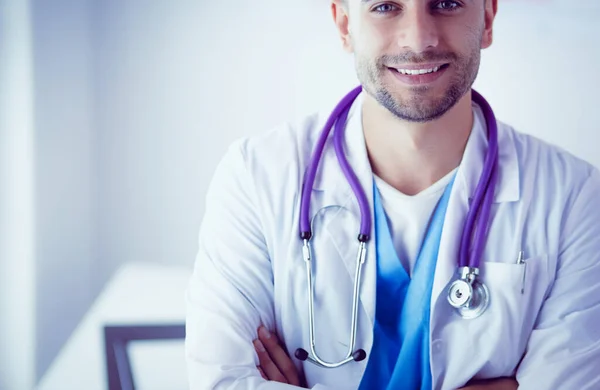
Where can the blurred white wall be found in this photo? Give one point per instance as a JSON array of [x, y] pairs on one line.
[[17, 186], [541, 74], [70, 271], [136, 101], [176, 85]]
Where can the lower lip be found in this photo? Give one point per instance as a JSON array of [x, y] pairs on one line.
[[419, 79]]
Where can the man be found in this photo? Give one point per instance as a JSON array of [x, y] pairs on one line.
[[419, 138]]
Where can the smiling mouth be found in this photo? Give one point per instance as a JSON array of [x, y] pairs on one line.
[[418, 72]]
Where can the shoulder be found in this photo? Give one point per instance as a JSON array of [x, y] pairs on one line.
[[553, 168], [283, 150], [270, 166]]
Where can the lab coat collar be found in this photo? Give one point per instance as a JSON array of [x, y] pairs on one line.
[[507, 187], [329, 175]]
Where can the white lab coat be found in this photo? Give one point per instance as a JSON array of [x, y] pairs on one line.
[[249, 269]]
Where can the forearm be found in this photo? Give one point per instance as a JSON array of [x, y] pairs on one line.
[[492, 384]]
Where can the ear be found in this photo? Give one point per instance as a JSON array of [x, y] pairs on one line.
[[491, 8], [339, 9]]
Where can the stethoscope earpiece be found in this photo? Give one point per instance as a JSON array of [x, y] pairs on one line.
[[359, 355], [301, 354]]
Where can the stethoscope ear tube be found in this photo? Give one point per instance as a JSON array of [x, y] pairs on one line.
[[357, 355]]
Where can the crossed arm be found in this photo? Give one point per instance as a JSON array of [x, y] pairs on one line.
[[275, 365]]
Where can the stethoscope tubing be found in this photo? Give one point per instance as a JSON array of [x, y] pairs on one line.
[[474, 232]]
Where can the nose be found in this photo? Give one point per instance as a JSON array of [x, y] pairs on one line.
[[418, 31]]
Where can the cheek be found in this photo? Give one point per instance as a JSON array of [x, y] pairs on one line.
[[464, 31], [377, 32], [367, 43], [463, 40], [376, 41]]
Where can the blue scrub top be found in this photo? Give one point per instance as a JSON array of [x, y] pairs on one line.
[[399, 357]]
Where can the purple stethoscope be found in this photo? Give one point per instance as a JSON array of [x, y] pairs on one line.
[[468, 295]]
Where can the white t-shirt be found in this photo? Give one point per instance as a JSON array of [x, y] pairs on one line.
[[408, 216]]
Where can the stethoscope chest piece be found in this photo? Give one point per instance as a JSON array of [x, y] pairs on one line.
[[467, 295], [460, 293]]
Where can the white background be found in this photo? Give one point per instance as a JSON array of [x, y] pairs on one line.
[[122, 108]]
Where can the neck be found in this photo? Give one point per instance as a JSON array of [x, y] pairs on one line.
[[412, 156]]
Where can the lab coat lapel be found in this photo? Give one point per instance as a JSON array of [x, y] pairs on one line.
[[450, 241], [332, 189], [469, 172]]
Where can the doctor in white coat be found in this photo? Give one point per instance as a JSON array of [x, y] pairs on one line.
[[409, 133]]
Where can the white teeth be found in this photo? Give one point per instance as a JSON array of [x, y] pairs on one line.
[[418, 71]]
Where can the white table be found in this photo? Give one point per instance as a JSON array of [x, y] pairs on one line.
[[137, 294]]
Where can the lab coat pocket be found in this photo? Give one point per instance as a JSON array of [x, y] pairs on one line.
[[517, 292]]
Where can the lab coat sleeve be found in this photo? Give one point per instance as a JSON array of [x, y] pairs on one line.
[[230, 293], [564, 348]]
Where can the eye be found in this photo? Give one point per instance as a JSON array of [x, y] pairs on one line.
[[447, 5], [385, 8]]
